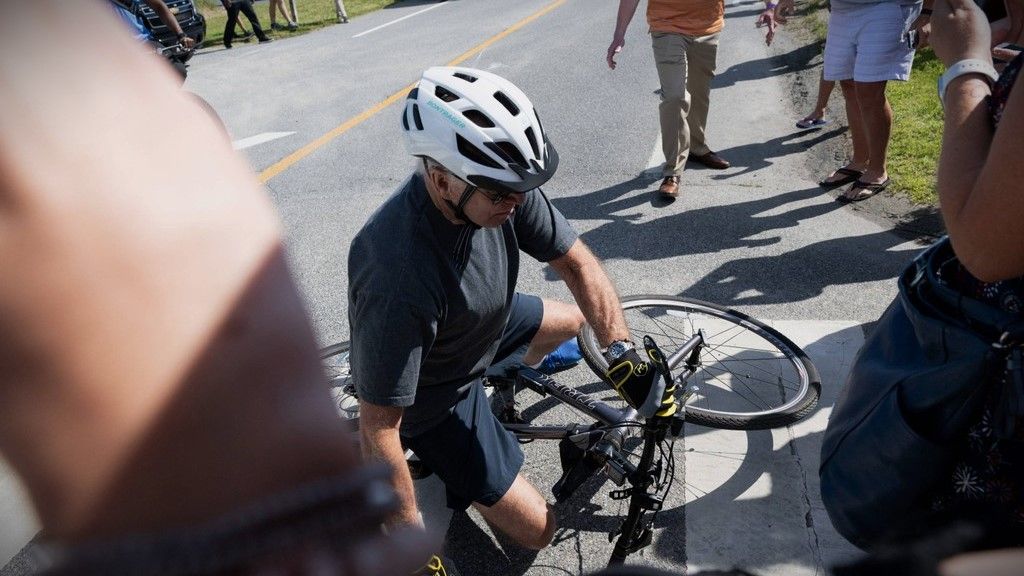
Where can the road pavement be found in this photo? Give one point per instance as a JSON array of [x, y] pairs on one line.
[[317, 116]]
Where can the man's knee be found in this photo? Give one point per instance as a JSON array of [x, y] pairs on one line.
[[543, 539], [562, 318]]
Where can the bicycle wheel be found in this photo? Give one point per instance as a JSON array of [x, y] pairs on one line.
[[334, 359], [749, 375]]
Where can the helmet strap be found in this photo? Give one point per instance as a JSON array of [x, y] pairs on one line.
[[458, 210]]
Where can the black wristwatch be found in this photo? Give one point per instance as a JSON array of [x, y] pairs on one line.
[[616, 349]]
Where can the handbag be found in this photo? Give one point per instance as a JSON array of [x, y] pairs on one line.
[[918, 383]]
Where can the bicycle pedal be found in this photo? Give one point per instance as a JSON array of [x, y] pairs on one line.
[[499, 383]]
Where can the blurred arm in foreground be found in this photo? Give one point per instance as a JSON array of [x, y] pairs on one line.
[[157, 368]]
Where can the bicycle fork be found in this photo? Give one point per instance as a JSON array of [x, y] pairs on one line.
[[634, 534]]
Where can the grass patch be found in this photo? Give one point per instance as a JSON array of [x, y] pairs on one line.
[[313, 14], [916, 130], [917, 115]]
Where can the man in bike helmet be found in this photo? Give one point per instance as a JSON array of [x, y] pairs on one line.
[[433, 301]]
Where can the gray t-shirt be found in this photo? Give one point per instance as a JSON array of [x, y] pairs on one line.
[[428, 299]]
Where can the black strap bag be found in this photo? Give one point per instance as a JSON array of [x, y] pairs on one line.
[[918, 383]]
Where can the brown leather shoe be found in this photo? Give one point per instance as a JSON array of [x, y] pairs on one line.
[[712, 160], [669, 187]]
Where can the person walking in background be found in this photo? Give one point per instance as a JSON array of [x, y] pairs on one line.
[[869, 43], [245, 7], [684, 37], [276, 5]]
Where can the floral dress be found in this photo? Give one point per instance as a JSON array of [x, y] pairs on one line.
[[989, 470]]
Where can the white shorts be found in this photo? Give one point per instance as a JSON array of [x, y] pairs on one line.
[[868, 42]]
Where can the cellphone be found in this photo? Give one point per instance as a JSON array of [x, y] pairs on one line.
[[1006, 46], [913, 39]]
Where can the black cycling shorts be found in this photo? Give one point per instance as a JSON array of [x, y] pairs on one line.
[[472, 453]]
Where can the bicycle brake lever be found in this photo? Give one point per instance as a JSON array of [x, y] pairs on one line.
[[657, 358]]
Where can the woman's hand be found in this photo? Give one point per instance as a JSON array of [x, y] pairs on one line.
[[959, 31]]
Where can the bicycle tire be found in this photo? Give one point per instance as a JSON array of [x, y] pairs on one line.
[[335, 362], [784, 388]]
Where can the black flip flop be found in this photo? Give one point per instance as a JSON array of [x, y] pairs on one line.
[[849, 175], [864, 190]]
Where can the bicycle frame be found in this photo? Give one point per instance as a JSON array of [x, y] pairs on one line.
[[603, 443]]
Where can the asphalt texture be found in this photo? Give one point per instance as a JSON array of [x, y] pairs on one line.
[[761, 237]]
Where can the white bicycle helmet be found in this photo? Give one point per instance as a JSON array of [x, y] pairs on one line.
[[480, 127]]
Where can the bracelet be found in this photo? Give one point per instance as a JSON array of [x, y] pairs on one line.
[[961, 68]]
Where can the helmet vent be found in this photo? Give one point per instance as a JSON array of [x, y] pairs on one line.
[[465, 76], [405, 120], [508, 152], [507, 103], [416, 117], [445, 94], [413, 93], [479, 118], [473, 153], [533, 142]]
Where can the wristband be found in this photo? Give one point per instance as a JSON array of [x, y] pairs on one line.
[[961, 68], [771, 5]]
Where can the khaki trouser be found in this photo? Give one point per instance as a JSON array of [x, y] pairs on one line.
[[686, 65]]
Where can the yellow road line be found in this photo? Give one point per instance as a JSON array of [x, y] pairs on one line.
[[289, 160]]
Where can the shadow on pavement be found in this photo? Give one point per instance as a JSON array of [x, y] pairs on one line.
[[796, 60]]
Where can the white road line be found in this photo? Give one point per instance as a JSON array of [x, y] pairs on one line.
[[399, 19], [258, 139]]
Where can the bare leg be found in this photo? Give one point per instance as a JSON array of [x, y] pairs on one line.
[[825, 88], [876, 119], [561, 322], [522, 514], [857, 131]]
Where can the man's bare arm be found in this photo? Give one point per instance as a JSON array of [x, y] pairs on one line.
[[593, 291], [378, 434]]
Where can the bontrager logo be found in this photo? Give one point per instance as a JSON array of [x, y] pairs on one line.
[[451, 117]]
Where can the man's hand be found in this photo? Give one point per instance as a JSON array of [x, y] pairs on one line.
[[614, 48], [188, 42], [639, 383]]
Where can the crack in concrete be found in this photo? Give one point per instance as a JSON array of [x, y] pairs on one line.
[[813, 541]]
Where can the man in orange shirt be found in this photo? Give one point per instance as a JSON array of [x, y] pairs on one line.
[[684, 35]]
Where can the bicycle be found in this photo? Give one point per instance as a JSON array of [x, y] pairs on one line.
[[732, 371]]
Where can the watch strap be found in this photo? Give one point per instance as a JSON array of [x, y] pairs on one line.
[[961, 68]]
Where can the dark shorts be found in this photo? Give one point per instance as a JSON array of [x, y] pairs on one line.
[[472, 453]]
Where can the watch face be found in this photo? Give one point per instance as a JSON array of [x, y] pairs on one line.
[[617, 349]]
